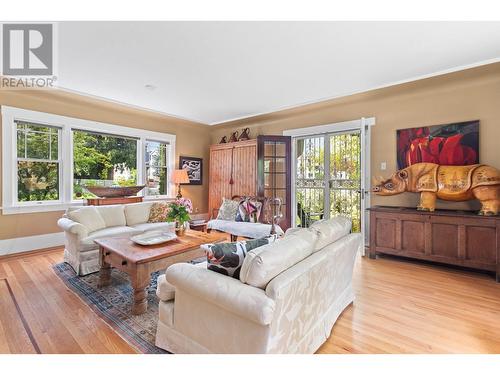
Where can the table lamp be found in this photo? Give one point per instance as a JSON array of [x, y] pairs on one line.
[[180, 176]]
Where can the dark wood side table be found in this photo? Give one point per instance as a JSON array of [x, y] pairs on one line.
[[116, 200], [202, 227]]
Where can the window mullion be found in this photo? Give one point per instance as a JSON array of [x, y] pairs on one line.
[[141, 162], [66, 166]]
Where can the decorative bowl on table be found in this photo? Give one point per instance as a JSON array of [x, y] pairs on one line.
[[114, 191], [153, 238]]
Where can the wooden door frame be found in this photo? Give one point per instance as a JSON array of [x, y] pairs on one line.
[[261, 139]]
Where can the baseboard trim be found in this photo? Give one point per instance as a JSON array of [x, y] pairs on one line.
[[27, 244]]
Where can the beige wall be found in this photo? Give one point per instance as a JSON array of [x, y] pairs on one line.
[[192, 140], [465, 95]]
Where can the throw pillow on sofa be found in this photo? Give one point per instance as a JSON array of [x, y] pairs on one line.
[[228, 210], [89, 217], [137, 213], [249, 210], [113, 215], [226, 258], [158, 213]]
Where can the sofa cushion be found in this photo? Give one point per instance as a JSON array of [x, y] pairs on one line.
[[228, 210], [330, 230], [226, 258], [137, 213], [264, 263], [89, 244], [88, 217], [113, 215], [158, 212], [145, 227]]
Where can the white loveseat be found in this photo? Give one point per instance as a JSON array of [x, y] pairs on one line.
[[83, 225], [289, 295]]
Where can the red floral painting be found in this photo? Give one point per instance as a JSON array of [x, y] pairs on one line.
[[450, 144]]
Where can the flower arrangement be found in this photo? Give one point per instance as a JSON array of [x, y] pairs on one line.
[[178, 212], [186, 202]]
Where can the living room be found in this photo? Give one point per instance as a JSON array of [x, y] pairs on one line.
[[168, 201]]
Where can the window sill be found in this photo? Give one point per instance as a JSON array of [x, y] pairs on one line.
[[46, 207], [51, 207], [154, 198]]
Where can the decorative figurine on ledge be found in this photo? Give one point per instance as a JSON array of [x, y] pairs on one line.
[[447, 182]]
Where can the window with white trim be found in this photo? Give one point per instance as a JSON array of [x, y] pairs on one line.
[[156, 168], [38, 162], [102, 160], [47, 160]]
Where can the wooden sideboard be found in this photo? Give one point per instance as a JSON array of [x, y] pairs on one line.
[[451, 237], [114, 200]]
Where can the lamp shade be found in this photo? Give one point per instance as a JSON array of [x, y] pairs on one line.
[[180, 176]]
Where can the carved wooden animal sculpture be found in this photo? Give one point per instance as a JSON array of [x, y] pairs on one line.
[[447, 182]]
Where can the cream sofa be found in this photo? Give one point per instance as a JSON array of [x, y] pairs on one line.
[[289, 295], [83, 225]]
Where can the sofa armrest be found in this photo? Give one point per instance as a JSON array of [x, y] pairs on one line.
[[73, 227], [164, 290], [226, 292]]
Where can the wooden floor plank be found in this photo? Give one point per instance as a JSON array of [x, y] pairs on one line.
[[400, 307], [14, 338], [86, 326], [64, 308], [47, 328]]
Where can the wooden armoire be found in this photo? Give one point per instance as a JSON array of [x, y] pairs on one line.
[[257, 167]]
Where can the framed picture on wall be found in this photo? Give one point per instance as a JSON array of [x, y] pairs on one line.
[[448, 144], [194, 167]]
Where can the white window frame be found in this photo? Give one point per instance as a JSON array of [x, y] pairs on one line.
[[364, 126], [59, 167], [168, 166], [67, 125]]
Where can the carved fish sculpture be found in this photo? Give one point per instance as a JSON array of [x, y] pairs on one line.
[[447, 182]]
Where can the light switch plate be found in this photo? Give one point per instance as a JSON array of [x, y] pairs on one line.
[[383, 166]]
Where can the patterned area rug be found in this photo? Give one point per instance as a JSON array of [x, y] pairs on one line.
[[113, 304]]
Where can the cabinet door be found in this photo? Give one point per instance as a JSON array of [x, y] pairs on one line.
[[245, 169], [274, 172], [413, 232], [219, 177], [445, 237]]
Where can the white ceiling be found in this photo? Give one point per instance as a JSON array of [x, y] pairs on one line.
[[213, 72]]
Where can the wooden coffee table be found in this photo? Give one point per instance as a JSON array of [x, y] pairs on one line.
[[140, 261]]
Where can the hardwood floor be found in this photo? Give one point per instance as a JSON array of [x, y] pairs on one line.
[[405, 306], [59, 320], [400, 307]]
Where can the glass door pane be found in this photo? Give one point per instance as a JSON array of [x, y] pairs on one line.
[[328, 178], [345, 177], [310, 180], [274, 174]]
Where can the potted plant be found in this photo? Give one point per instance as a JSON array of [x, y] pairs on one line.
[[178, 212]]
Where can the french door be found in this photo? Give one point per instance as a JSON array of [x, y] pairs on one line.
[[330, 175]]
